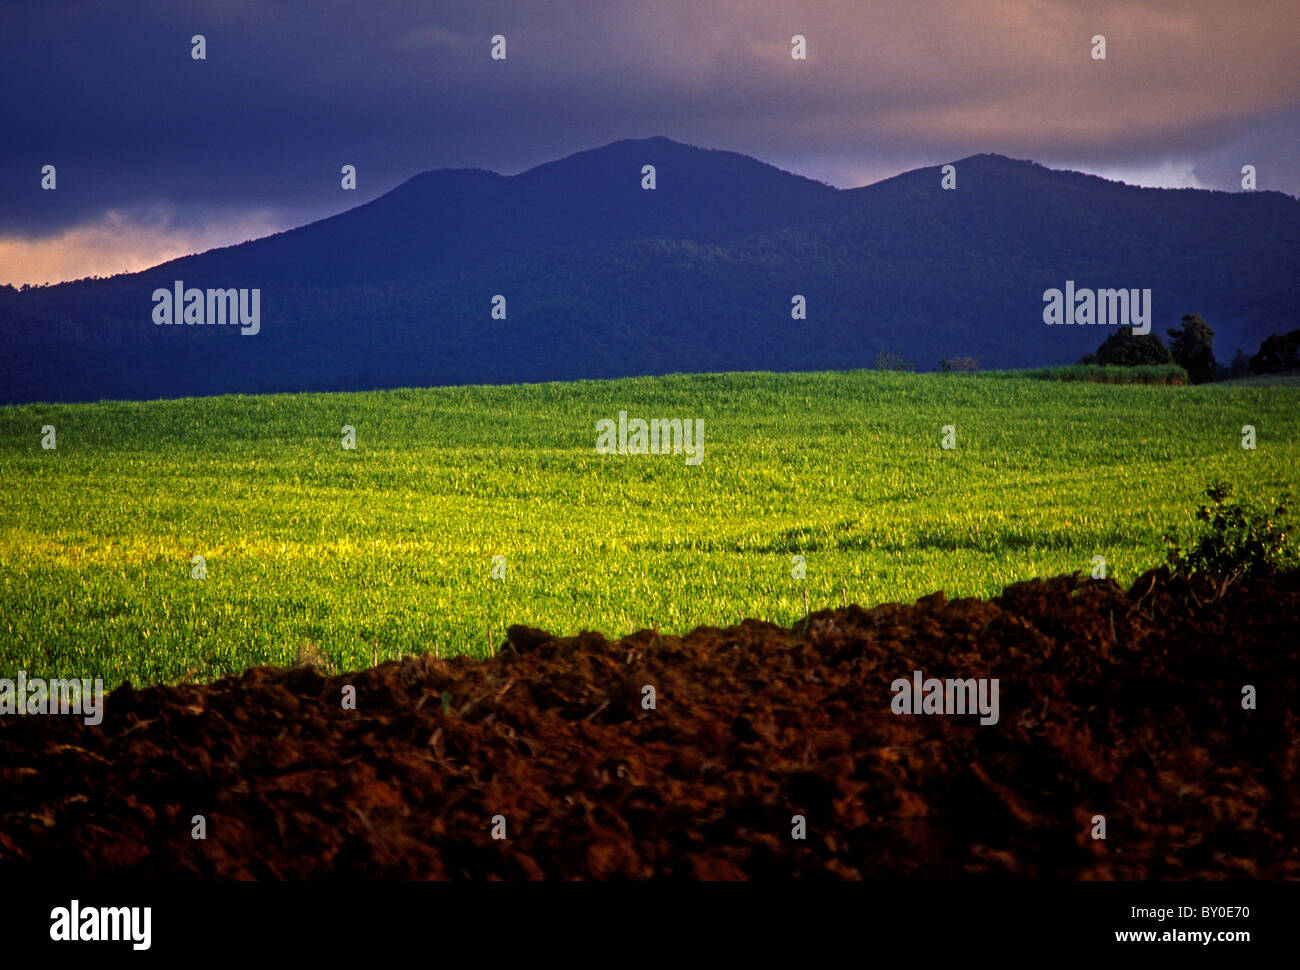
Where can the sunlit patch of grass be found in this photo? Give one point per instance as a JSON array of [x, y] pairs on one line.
[[388, 549]]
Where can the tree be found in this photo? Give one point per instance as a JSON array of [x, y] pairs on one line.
[[1193, 347], [1238, 367], [1123, 348], [1278, 352]]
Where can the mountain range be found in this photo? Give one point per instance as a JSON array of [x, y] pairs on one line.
[[604, 278]]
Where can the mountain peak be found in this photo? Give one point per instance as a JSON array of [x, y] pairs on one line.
[[993, 160], [628, 148]]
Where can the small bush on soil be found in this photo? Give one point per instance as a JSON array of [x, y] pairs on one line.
[[1242, 539]]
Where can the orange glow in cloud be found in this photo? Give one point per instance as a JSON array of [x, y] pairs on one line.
[[117, 244]]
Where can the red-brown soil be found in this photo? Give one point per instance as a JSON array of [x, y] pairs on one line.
[[1112, 702]]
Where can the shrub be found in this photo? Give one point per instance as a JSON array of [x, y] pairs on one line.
[[1148, 374], [1123, 348], [1238, 367], [1241, 539], [888, 360], [1278, 352]]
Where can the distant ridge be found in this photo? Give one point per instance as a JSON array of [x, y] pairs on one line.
[[604, 279]]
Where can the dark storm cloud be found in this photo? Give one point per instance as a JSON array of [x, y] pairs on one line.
[[254, 136]]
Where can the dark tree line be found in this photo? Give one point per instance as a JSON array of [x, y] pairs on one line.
[[1191, 346]]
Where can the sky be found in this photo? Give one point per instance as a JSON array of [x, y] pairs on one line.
[[158, 154]]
